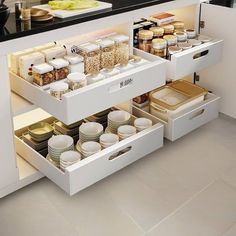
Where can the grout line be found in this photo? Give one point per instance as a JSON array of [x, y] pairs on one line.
[[229, 228], [183, 205]]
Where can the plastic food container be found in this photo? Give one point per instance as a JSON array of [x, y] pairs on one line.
[[168, 29], [185, 46], [178, 25], [76, 80], [58, 89], [121, 48], [60, 67], [175, 97], [171, 40], [91, 53], [158, 32], [76, 63], [159, 47], [191, 33], [43, 74], [107, 47], [181, 36], [145, 40]]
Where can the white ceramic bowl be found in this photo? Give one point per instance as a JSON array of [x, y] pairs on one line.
[[91, 147], [106, 140], [60, 142], [142, 123], [118, 117], [126, 131], [90, 129], [70, 157]]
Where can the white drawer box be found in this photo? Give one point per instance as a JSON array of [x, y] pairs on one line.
[[183, 64], [188, 119], [96, 97], [98, 166]]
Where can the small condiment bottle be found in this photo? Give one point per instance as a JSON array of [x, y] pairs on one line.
[[179, 26], [168, 29], [60, 67], [173, 50], [158, 32], [58, 89], [181, 36], [76, 63], [145, 40], [137, 61], [159, 47], [43, 74], [171, 40], [191, 33], [185, 46], [76, 80]]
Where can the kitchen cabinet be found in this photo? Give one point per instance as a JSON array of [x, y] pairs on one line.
[[42, 107]]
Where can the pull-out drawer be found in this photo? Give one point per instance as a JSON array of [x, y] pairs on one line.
[[195, 59], [188, 119], [98, 166], [99, 96]]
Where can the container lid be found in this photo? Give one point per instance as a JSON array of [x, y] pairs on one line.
[[76, 77], [174, 49], [146, 23], [185, 46], [42, 68], [89, 47], [168, 27], [170, 37], [159, 43], [178, 24], [157, 31], [59, 86], [59, 63], [145, 34], [105, 42], [120, 38], [195, 42], [74, 59]]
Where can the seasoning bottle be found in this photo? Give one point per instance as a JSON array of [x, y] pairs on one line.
[[60, 67], [179, 26], [191, 33], [171, 40], [145, 40], [107, 47], [91, 53], [121, 48], [185, 46], [168, 29], [173, 50], [159, 47], [181, 36], [158, 32]]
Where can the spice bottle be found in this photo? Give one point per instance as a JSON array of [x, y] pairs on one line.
[[158, 32], [60, 67], [171, 40], [145, 40], [168, 29], [159, 47]]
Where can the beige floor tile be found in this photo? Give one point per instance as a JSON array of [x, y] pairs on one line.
[[211, 213], [230, 176], [231, 231]]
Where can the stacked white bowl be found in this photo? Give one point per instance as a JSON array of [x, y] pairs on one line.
[[109, 139], [142, 123], [89, 148], [126, 131], [69, 158], [90, 131], [117, 119], [59, 144]]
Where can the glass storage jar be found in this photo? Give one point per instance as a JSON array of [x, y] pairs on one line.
[[171, 40], [159, 47], [76, 63], [107, 47], [158, 32], [181, 36], [121, 48], [61, 68], [145, 40], [91, 53], [43, 74], [168, 29], [178, 26]]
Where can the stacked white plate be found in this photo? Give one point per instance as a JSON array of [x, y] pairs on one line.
[[126, 131], [90, 148], [117, 119], [142, 124], [109, 139], [69, 158], [90, 131], [59, 144]]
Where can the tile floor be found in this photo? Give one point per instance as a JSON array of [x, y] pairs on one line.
[[188, 188]]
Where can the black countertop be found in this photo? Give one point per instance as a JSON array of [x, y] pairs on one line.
[[16, 29]]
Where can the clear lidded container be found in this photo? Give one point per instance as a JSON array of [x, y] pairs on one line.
[[58, 89], [159, 47], [168, 29], [158, 32], [43, 74], [107, 47], [61, 68], [171, 40], [181, 36], [145, 40], [121, 48], [178, 25], [91, 53]]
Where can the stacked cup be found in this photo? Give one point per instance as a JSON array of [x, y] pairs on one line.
[[69, 158], [142, 123], [125, 131], [117, 119], [57, 145], [109, 139], [89, 148]]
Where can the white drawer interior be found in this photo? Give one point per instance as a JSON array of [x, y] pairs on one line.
[[97, 166]]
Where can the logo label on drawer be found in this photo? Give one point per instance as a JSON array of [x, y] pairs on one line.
[[126, 82]]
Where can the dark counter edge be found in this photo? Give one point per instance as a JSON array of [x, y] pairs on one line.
[[60, 23]]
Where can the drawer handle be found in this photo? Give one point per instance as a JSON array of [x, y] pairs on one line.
[[200, 54], [120, 153], [197, 114]]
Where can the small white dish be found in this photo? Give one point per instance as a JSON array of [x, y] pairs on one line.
[[142, 123], [107, 140], [89, 148], [70, 157]]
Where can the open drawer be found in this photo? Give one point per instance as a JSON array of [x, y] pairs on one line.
[[96, 97], [189, 119], [98, 166]]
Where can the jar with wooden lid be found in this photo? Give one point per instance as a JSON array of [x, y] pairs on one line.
[[178, 26], [145, 40], [159, 47], [171, 40], [107, 47], [168, 29], [158, 32], [91, 53]]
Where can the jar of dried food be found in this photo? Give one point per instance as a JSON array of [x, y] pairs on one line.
[[91, 53], [173, 50], [158, 32], [191, 33], [58, 89], [145, 40], [185, 46], [107, 47], [181, 36], [159, 47], [121, 48], [178, 25], [61, 68], [168, 29], [43, 74], [171, 40]]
